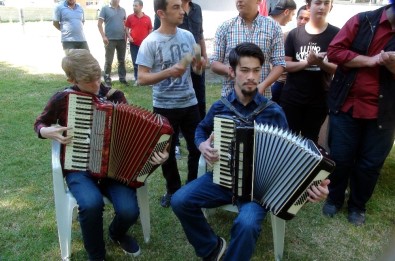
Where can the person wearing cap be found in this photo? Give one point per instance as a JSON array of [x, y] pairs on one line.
[[303, 97], [283, 12], [249, 26]]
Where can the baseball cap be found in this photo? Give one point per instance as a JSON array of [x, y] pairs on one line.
[[282, 5]]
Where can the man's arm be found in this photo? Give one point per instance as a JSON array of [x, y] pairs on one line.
[[271, 78], [56, 24], [146, 77], [101, 31]]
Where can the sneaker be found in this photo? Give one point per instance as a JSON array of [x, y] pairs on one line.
[[108, 82], [124, 82], [136, 83], [178, 152], [218, 252], [330, 209], [356, 217], [165, 200], [128, 244]]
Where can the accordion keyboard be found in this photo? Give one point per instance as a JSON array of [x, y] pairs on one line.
[[79, 118], [223, 135]]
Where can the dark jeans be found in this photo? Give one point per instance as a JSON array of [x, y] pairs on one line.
[[199, 85], [185, 119], [277, 88], [305, 119], [89, 196], [120, 46], [187, 204], [359, 149], [134, 49], [75, 45]]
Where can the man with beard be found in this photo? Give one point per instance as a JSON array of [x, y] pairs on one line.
[[245, 61]]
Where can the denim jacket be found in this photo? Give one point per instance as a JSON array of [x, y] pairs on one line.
[[344, 79]]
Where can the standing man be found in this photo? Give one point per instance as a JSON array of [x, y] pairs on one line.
[[114, 38], [161, 64], [249, 26], [361, 100], [138, 26], [69, 19], [193, 22]]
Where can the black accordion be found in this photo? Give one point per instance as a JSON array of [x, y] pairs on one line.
[[266, 164]]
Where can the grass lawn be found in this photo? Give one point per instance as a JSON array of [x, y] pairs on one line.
[[28, 227]]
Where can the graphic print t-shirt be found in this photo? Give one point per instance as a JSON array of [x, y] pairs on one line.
[[159, 52], [307, 86]]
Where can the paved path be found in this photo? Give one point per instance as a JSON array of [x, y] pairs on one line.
[[36, 45]]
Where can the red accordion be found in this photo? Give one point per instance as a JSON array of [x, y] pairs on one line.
[[113, 140]]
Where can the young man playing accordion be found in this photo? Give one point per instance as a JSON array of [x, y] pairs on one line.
[[246, 61], [83, 71]]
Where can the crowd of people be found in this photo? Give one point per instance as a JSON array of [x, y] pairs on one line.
[[292, 80]]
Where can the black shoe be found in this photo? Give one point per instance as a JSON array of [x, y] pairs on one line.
[[165, 200], [128, 244], [356, 217], [330, 209], [124, 82], [217, 253]]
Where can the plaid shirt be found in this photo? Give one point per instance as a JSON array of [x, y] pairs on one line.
[[264, 32]]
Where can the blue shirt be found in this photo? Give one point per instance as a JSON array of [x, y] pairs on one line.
[[272, 115], [114, 20], [71, 22]]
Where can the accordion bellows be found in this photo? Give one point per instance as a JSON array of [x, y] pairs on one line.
[[266, 164], [113, 140]]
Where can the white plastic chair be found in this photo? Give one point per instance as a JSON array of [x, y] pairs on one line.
[[65, 204], [278, 224]]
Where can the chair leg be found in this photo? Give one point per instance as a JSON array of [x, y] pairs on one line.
[[142, 197], [64, 216], [278, 227]]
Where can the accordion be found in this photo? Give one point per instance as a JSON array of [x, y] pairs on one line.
[[113, 140], [268, 165]]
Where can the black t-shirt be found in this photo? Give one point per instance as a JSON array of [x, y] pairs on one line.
[[310, 85]]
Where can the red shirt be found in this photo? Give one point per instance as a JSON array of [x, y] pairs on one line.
[[363, 95], [140, 27]]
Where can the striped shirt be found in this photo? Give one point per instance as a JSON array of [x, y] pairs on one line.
[[264, 32]]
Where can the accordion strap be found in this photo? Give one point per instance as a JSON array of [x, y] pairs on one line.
[[110, 92], [250, 117]]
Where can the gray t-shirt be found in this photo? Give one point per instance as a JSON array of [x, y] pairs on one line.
[[160, 51], [114, 19], [71, 22]]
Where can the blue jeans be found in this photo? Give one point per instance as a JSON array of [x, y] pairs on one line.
[[359, 149], [203, 193], [134, 49], [186, 120], [120, 46], [89, 195], [277, 88]]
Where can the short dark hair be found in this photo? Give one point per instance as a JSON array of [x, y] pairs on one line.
[[139, 1], [160, 5], [303, 7], [245, 50]]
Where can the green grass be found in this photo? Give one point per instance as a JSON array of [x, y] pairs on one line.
[[28, 226]]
